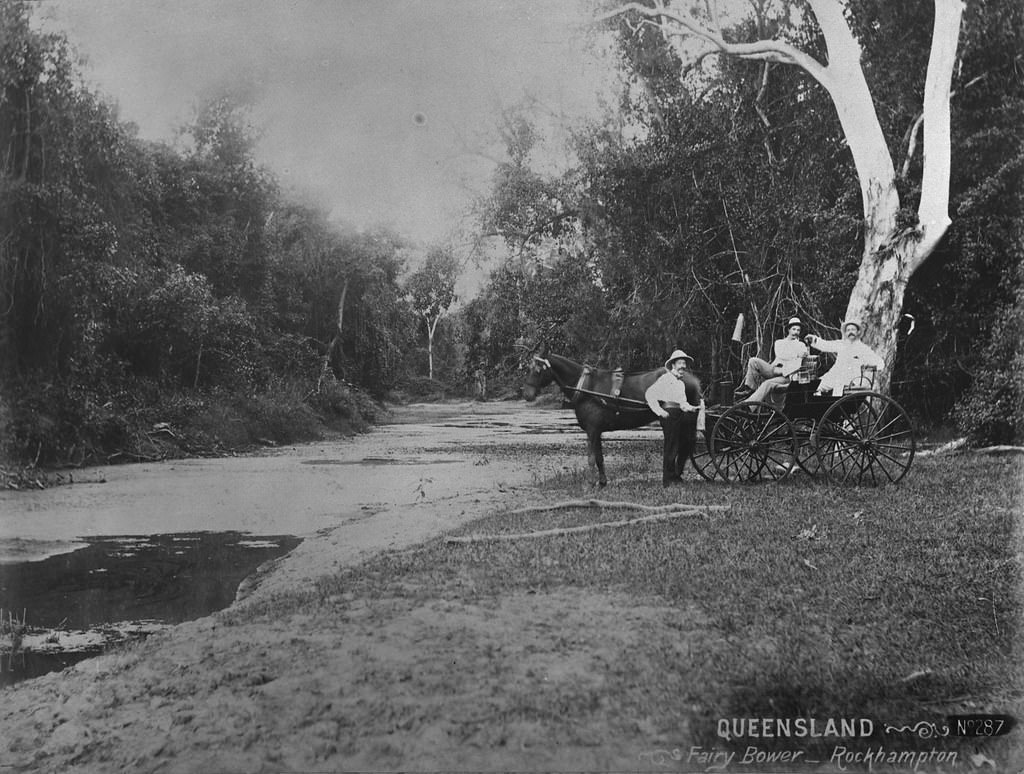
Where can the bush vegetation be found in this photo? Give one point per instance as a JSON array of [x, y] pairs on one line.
[[732, 191], [174, 285], [162, 300], [992, 412]]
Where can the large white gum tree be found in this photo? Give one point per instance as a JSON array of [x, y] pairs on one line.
[[892, 252]]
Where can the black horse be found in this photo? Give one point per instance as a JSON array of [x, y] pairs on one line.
[[604, 401]]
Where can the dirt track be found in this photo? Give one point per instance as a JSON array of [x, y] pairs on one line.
[[398, 686], [429, 455]]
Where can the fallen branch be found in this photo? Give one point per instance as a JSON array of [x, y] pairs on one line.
[[960, 444], [679, 512], [609, 504], [1000, 450], [957, 445], [133, 455]]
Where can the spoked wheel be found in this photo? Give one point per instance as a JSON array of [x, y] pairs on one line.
[[865, 438], [702, 459], [806, 455], [753, 441]]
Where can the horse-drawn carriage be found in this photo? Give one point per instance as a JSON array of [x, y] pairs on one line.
[[859, 437]]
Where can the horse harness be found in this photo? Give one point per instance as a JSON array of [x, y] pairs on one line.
[[612, 399]]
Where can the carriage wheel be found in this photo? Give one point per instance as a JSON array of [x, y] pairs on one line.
[[806, 455], [702, 459], [751, 441], [865, 438]]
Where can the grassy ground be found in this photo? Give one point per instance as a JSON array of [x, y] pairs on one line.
[[898, 604]]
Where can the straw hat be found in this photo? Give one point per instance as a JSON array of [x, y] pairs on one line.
[[677, 355]]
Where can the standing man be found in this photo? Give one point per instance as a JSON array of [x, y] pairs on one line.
[[480, 379], [851, 353], [675, 398], [762, 376]]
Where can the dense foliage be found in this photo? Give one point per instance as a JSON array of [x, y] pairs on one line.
[[150, 289], [728, 189], [174, 287]]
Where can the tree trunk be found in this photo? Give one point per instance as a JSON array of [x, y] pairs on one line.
[[890, 256], [430, 355], [877, 299], [431, 328], [199, 360], [325, 361]]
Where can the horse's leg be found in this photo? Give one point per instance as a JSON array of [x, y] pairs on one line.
[[597, 455]]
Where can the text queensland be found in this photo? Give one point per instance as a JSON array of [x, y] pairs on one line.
[[798, 728]]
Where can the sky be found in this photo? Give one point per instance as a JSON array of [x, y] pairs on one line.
[[383, 111]]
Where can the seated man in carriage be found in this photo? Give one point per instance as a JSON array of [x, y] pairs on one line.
[[763, 376], [851, 355]]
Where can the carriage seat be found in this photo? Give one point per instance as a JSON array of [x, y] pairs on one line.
[[774, 392]]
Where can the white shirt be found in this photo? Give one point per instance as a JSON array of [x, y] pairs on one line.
[[850, 356], [789, 353], [670, 389]]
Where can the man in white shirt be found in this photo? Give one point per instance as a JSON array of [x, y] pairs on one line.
[[762, 376], [851, 354], [675, 398]]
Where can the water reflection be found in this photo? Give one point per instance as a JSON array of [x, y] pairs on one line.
[[156, 579]]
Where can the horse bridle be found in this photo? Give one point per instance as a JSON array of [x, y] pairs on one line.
[[547, 364]]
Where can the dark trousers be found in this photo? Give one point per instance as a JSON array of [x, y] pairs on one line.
[[680, 431]]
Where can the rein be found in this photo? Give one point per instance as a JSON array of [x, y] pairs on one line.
[[634, 404]]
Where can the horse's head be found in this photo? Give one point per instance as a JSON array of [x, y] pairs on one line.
[[538, 377]]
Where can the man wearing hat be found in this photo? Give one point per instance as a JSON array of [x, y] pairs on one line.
[[675, 398], [762, 376], [851, 353]]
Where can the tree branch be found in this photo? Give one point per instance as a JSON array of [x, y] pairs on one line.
[[911, 146], [558, 217], [843, 49], [658, 513], [767, 50], [760, 110], [912, 134], [933, 210]]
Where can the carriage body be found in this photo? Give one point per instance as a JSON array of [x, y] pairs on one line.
[[859, 437]]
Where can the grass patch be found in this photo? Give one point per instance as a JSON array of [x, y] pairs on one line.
[[803, 600]]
